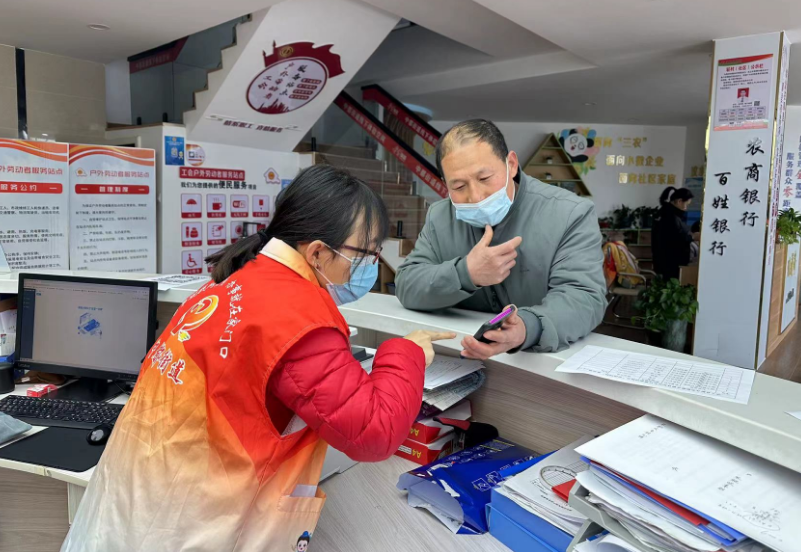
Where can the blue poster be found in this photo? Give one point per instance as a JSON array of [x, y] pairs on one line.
[[174, 150], [285, 182]]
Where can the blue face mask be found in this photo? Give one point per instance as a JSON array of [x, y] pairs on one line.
[[363, 275], [491, 210]]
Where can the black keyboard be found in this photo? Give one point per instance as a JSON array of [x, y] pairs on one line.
[[60, 413]]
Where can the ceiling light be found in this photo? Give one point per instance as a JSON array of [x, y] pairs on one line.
[[43, 134], [590, 103], [98, 27]]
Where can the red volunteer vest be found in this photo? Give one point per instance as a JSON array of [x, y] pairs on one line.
[[194, 462]]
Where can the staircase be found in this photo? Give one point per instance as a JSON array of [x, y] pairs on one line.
[[397, 187], [402, 204]]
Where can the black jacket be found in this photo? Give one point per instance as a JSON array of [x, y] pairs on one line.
[[670, 241]]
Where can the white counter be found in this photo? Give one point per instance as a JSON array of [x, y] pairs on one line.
[[761, 427]]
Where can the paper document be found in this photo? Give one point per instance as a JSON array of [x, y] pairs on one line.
[[446, 396], [3, 262], [533, 488], [749, 494], [445, 370], [169, 281], [795, 414], [610, 543], [726, 383]]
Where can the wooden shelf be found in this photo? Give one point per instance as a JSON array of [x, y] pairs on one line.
[[563, 173]]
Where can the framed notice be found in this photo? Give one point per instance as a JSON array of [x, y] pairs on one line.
[[743, 97], [34, 204], [113, 208]]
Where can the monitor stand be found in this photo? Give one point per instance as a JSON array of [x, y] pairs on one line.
[[86, 389]]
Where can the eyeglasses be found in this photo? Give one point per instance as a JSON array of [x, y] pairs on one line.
[[371, 257]]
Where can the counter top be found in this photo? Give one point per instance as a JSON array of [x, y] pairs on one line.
[[761, 427], [9, 282]]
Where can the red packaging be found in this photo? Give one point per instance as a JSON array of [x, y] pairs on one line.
[[41, 390], [423, 454], [427, 430]]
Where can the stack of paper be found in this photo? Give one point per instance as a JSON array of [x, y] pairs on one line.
[[676, 490], [445, 370], [449, 380], [533, 488]]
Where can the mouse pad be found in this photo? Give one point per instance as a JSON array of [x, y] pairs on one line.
[[56, 447]]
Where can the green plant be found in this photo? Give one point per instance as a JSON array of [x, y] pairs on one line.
[[664, 301], [644, 216], [622, 217], [788, 226]]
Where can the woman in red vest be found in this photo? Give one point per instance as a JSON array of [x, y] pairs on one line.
[[222, 442]]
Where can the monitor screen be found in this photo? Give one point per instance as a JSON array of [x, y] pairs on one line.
[[85, 326]]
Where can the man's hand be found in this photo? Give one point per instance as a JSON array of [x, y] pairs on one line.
[[511, 335], [487, 265]]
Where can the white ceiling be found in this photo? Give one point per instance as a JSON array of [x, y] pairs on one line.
[[512, 60], [60, 26]]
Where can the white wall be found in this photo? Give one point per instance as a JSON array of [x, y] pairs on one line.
[[118, 92], [603, 180]]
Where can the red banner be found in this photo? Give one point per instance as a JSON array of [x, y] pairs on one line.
[[109, 189], [165, 54], [403, 114], [30, 188], [214, 174], [399, 151]]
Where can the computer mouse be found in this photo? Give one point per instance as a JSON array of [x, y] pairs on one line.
[[99, 435]]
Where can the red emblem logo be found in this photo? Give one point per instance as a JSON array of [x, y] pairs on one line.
[[294, 75]]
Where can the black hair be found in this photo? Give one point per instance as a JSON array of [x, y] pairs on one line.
[[322, 203], [672, 194], [473, 129], [304, 537]]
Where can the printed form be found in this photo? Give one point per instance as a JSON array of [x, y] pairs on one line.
[[722, 382], [749, 494]]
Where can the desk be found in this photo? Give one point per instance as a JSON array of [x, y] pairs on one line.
[[524, 396], [366, 513], [359, 500]]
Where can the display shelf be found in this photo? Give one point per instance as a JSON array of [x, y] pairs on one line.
[[559, 170]]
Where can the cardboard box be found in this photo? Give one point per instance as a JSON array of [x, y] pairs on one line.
[[422, 453], [427, 430]]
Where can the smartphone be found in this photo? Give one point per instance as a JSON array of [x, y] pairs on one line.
[[493, 324]]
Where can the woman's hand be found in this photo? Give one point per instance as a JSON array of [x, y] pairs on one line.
[[423, 338]]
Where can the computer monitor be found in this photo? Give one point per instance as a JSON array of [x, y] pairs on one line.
[[87, 327]]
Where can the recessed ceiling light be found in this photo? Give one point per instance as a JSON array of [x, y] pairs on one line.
[[590, 103], [98, 27], [43, 134]]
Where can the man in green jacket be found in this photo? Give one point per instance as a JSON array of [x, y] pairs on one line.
[[506, 238]]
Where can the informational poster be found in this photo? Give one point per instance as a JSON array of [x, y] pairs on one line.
[[743, 95], [790, 294], [174, 150], [791, 199], [206, 204], [34, 204], [113, 208]]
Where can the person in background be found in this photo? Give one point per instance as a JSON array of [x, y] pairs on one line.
[[504, 237], [672, 240], [221, 444]]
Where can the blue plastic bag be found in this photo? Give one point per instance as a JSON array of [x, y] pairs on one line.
[[460, 485]]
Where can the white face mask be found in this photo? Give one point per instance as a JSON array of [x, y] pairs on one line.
[[489, 211]]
